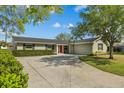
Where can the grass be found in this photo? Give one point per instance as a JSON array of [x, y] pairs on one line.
[[120, 53], [102, 62]]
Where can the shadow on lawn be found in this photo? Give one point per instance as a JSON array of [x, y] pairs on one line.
[[61, 60], [96, 60]]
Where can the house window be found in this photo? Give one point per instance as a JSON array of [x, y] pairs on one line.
[[65, 49], [28, 47], [49, 47], [53, 47], [100, 46]]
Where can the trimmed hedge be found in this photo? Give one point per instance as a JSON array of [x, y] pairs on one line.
[[20, 53], [11, 71]]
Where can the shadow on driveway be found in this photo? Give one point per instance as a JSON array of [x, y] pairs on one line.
[[61, 60]]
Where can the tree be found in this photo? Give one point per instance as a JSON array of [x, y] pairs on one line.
[[105, 22], [9, 20], [63, 36], [79, 32], [13, 18], [41, 13]]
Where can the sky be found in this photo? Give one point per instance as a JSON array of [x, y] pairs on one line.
[[58, 23]]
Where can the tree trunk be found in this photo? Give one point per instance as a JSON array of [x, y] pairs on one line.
[[111, 51], [5, 36]]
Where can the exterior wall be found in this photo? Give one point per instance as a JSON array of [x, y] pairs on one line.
[[87, 48], [71, 48], [49, 47], [40, 47], [35, 47], [95, 47], [81, 48], [3, 47], [122, 39], [19, 46]]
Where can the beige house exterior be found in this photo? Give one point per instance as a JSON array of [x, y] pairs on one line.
[[96, 44], [86, 46], [28, 43]]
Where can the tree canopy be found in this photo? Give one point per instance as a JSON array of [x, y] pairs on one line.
[[80, 32], [13, 18], [105, 22], [63, 36]]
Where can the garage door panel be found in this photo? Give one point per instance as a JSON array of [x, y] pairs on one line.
[[83, 49]]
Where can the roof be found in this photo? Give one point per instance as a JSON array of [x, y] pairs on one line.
[[38, 40], [49, 41], [88, 40]]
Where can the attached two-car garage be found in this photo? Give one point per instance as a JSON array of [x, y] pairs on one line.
[[81, 48], [87, 46]]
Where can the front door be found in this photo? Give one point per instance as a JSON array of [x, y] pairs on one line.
[[60, 49]]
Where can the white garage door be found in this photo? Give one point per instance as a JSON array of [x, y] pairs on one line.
[[83, 49]]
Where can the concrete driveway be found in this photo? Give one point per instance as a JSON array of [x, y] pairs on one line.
[[66, 71]]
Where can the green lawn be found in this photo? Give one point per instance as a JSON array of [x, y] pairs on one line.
[[102, 62], [120, 53]]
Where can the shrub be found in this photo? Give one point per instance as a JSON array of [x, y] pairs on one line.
[[91, 54], [13, 80], [11, 70], [9, 63], [20, 53]]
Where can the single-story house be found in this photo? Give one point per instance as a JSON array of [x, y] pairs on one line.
[[86, 46], [28, 43], [119, 47]]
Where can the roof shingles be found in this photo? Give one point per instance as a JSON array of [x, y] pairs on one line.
[[38, 40], [54, 41]]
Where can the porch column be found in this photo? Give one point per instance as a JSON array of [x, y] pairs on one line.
[[57, 49]]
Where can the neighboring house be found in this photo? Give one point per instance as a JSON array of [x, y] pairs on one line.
[[3, 45], [86, 46], [119, 46]]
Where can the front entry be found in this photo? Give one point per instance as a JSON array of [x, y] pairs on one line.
[[62, 49]]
